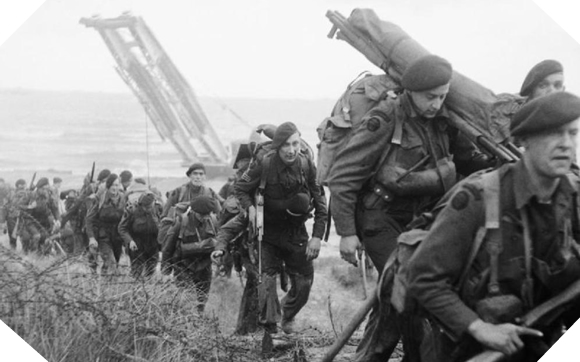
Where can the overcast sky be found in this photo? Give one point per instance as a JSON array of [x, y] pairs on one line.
[[279, 49]]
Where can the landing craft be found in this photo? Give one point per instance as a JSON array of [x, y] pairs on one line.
[[164, 93]]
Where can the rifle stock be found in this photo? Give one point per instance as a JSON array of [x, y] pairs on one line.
[[542, 313]]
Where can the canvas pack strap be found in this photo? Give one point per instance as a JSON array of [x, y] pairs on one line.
[[527, 291], [490, 184]]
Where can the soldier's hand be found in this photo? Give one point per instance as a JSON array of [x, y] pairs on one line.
[[313, 248], [216, 256], [133, 245], [348, 248], [501, 337], [93, 244]]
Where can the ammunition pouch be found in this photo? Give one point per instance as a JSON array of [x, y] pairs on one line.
[[198, 248], [429, 182], [500, 309]]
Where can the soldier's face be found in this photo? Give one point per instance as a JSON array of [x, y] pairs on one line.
[[115, 186], [550, 154], [290, 149], [429, 102], [550, 84], [197, 177]]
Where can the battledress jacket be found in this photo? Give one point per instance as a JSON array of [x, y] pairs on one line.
[[359, 160], [283, 182], [437, 265]]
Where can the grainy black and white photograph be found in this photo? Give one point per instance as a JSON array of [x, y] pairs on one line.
[[333, 180]]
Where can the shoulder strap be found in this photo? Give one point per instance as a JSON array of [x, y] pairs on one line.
[[182, 192], [490, 183], [266, 160]]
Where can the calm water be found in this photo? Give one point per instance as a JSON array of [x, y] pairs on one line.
[[67, 131]]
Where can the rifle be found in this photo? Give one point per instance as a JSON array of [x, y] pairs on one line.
[[545, 312], [31, 187], [259, 229]]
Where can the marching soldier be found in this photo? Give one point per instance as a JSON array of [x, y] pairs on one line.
[[533, 257], [188, 246], [138, 228], [286, 179], [102, 221], [401, 159]]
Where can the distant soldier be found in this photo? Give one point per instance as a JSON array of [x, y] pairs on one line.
[[530, 257], [188, 246], [17, 200], [138, 228], [183, 195], [286, 179], [55, 189], [544, 78], [102, 221], [40, 218], [4, 196], [189, 191]]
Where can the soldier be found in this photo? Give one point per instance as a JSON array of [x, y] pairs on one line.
[[189, 191], [544, 78], [533, 258], [184, 195], [188, 246], [286, 179], [4, 196], [17, 200], [398, 163], [40, 218], [102, 221], [138, 228]]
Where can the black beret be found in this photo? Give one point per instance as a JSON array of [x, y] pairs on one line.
[[427, 73], [538, 73], [195, 166], [126, 176], [140, 180], [203, 205], [42, 182], [20, 182], [56, 180], [103, 175], [110, 179], [283, 132], [544, 113], [147, 198]]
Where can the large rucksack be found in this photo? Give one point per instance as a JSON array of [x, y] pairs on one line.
[[361, 95], [409, 241]]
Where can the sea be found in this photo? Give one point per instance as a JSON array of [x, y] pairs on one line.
[[65, 132]]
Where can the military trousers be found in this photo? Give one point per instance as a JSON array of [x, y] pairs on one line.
[[144, 259], [190, 276], [292, 258], [378, 231]]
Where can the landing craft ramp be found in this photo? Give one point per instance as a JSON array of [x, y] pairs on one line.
[[166, 96]]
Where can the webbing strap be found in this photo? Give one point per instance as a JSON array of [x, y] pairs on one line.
[[490, 184]]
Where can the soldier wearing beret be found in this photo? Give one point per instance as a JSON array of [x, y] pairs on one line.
[[533, 257], [544, 78], [189, 191], [188, 246], [401, 159], [286, 179]]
